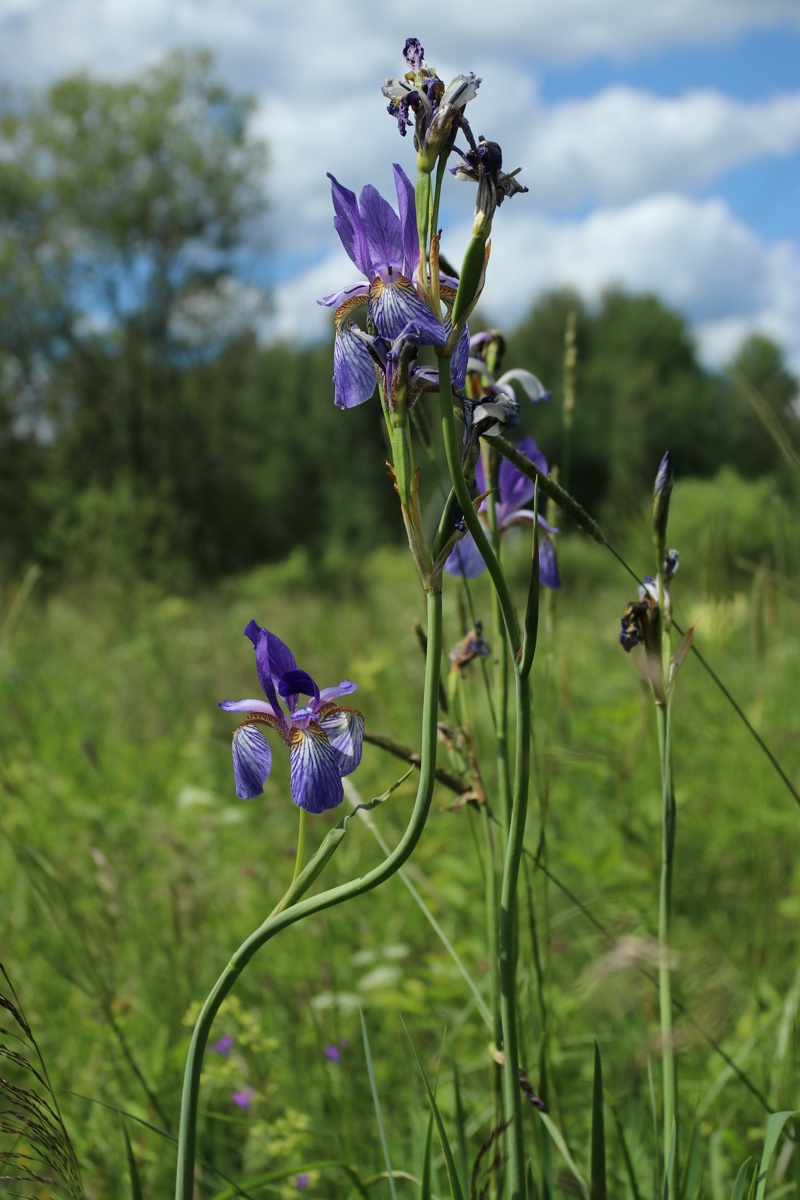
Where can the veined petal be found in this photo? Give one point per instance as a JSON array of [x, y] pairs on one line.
[[406, 206], [272, 659], [252, 761], [351, 294], [332, 693], [347, 223], [352, 368], [394, 303], [461, 90], [465, 559], [247, 706], [344, 729], [382, 227], [313, 772]]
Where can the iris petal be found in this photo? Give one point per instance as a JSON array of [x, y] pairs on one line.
[[313, 773], [342, 689], [348, 225], [352, 368], [394, 303], [465, 559], [382, 227], [247, 706], [252, 761], [344, 729], [548, 565], [406, 206]]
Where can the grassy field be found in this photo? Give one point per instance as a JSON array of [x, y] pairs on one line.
[[131, 872]]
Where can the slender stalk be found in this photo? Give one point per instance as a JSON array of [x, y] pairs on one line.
[[519, 805], [669, 1099], [453, 451], [297, 908], [508, 938]]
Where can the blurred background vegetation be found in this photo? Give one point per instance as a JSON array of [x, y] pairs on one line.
[[165, 477], [145, 430]]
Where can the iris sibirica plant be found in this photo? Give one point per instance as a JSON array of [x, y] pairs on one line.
[[402, 329]]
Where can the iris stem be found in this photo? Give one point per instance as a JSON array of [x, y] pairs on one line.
[[669, 1086], [298, 866], [519, 805], [297, 908]]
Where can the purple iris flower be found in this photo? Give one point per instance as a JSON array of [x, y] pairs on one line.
[[515, 490], [385, 248], [324, 739]]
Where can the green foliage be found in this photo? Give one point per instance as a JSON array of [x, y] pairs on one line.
[[130, 872]]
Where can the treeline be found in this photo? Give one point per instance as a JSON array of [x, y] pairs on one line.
[[144, 431]]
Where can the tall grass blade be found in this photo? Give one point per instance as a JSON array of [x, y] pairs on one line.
[[773, 1131], [598, 1167], [626, 1154], [741, 1180], [461, 1130], [452, 1173], [558, 1138], [427, 1163], [376, 1105], [41, 1155], [669, 1165], [694, 1167], [133, 1167]]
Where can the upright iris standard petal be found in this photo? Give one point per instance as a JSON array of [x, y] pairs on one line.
[[252, 761], [344, 729], [349, 226], [314, 775], [382, 227], [406, 207]]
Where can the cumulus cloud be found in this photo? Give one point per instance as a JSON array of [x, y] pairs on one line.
[[260, 38], [624, 143], [628, 151], [696, 255]]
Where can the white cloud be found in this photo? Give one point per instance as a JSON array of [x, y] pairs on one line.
[[262, 39], [695, 255], [317, 66], [624, 143]]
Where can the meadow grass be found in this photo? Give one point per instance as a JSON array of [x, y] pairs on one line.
[[130, 872]]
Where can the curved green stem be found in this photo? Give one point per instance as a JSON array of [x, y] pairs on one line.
[[296, 909], [519, 804]]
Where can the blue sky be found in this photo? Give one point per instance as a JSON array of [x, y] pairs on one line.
[[660, 143]]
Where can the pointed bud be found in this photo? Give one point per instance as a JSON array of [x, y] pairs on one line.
[[661, 495]]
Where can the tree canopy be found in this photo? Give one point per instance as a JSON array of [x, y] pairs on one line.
[[144, 429]]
